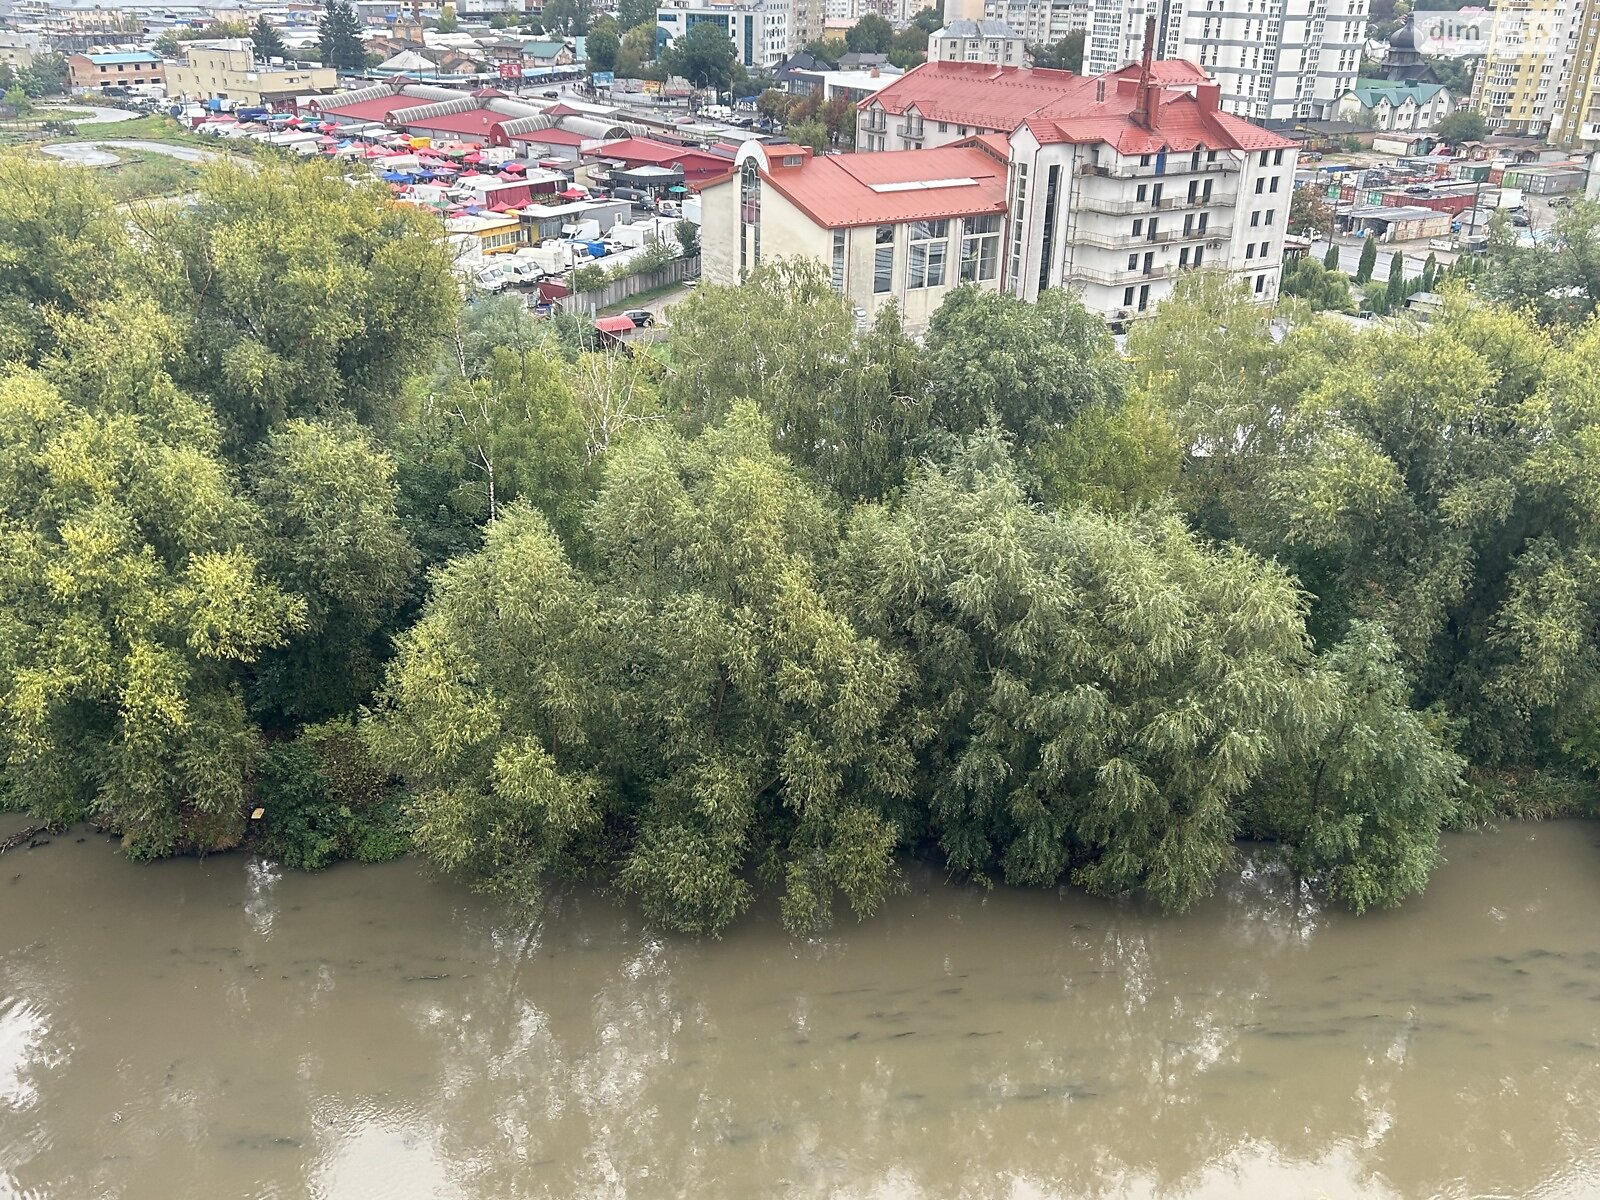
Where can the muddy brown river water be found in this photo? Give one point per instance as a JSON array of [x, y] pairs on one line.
[[220, 1029]]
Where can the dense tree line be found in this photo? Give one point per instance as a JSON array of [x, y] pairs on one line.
[[292, 529]]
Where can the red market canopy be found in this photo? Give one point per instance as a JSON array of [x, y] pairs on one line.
[[614, 324], [575, 194]]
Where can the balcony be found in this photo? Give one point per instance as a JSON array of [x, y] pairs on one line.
[[1116, 206], [1177, 165], [1125, 241], [1082, 274]]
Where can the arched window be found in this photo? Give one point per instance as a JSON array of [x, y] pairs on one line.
[[749, 216]]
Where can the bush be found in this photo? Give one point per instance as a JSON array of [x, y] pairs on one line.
[[325, 799], [588, 278]]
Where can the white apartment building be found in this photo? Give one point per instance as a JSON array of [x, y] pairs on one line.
[[985, 41], [1114, 185], [759, 29], [1277, 61], [1040, 22]]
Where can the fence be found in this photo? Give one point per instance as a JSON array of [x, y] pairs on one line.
[[615, 291]]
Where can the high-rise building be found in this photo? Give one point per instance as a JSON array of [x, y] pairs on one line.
[[758, 29], [1538, 76], [1277, 61], [1040, 22], [1577, 121]]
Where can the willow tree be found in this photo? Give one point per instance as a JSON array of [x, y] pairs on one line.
[[1094, 694], [134, 597]]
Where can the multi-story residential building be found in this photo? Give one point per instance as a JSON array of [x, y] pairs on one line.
[[228, 69], [1532, 68], [1116, 184], [901, 229], [124, 68], [1577, 122], [1277, 61], [1040, 22], [758, 29], [985, 41]]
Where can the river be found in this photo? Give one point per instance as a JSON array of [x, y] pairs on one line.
[[219, 1029]]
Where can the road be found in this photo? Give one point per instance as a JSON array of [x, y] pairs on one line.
[[97, 115], [98, 154]]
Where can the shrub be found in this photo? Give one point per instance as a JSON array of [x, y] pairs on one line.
[[325, 799]]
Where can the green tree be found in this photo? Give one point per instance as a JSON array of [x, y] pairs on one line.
[[268, 41], [298, 294], [1397, 281], [705, 57], [134, 598], [63, 251], [1032, 366], [17, 100], [1463, 125], [1559, 279], [602, 46], [46, 75], [1369, 259], [340, 34], [1358, 801], [567, 17], [1065, 55], [1430, 272], [1309, 211], [1330, 259], [447, 22], [1113, 457], [872, 34], [631, 14], [928, 20], [1325, 290], [1084, 683]]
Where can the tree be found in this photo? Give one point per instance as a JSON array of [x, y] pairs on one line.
[[297, 293], [827, 50], [704, 56], [1559, 279], [1082, 682], [632, 14], [63, 251], [602, 45], [1463, 125], [853, 411], [809, 132], [694, 708], [1397, 281], [1330, 259], [1454, 73], [1309, 211], [17, 100], [47, 75], [1430, 271], [268, 41], [1031, 366], [688, 235], [568, 17], [340, 34], [1369, 259], [928, 20], [1327, 291], [134, 596], [447, 22], [872, 34], [1065, 55], [1360, 799]]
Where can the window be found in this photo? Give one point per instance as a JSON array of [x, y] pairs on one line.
[[1133, 262], [839, 236], [1188, 224], [1261, 186], [749, 216], [1194, 190], [1199, 255], [1273, 186], [1263, 158], [1205, 219], [980, 248], [1152, 230], [1277, 158], [930, 241], [1249, 251], [1183, 257], [1142, 193], [1211, 156], [1144, 297], [883, 259], [1047, 241], [1271, 212], [1127, 297], [1138, 227], [1261, 284], [1155, 194], [1149, 262], [1255, 218]]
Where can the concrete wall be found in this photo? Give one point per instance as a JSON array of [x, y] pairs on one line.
[[618, 290]]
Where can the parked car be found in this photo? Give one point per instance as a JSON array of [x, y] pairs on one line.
[[1520, 220], [1418, 190], [641, 317]]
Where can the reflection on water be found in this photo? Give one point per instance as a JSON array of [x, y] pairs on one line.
[[223, 1028]]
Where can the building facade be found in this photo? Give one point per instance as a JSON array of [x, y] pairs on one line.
[[228, 69], [901, 229], [1116, 184], [1409, 107], [1277, 61], [129, 68], [1577, 122], [986, 41], [1538, 74], [1040, 22], [758, 29]]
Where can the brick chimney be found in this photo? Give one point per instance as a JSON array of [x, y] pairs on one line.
[[1142, 105]]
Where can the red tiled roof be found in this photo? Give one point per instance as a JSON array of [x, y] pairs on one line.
[[1181, 120], [376, 109], [980, 94], [841, 190], [648, 152]]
